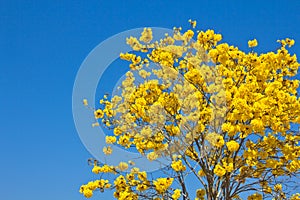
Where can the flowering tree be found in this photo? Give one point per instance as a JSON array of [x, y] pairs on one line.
[[224, 116]]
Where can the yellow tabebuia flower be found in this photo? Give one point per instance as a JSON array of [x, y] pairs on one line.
[[278, 187], [255, 196], [152, 156], [176, 195], [178, 166], [219, 170], [146, 35], [85, 102], [252, 43], [215, 139], [88, 193], [200, 193], [162, 184], [110, 139], [201, 172], [232, 145], [123, 166], [107, 150], [96, 169], [99, 113]]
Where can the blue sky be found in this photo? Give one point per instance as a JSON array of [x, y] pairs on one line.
[[42, 45]]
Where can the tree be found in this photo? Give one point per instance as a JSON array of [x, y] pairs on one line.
[[224, 116]]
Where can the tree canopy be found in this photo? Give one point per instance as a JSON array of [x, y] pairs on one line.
[[227, 117]]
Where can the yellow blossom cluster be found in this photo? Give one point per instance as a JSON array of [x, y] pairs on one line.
[[104, 169], [178, 166], [296, 196], [87, 190], [146, 36], [215, 139], [219, 170], [200, 194], [162, 184], [176, 195], [252, 43], [255, 196], [232, 145], [208, 39], [107, 150], [110, 139]]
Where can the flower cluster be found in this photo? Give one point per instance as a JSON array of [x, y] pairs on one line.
[[162, 184], [178, 166], [87, 190]]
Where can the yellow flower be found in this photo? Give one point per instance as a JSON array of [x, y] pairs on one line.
[[176, 195], [102, 183], [130, 162], [219, 170], [162, 184], [201, 172], [215, 139], [88, 193], [252, 43], [146, 35], [107, 150], [193, 23], [152, 156], [142, 187], [178, 166], [228, 166], [290, 42], [85, 102], [127, 56], [296, 196], [200, 193], [99, 114], [255, 196], [173, 130], [95, 124], [278, 187], [144, 74], [257, 125], [110, 139], [123, 166], [142, 176], [232, 145], [96, 169], [117, 131], [124, 140], [188, 35], [220, 141], [227, 127], [134, 43]]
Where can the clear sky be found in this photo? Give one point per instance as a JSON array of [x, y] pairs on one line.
[[42, 45]]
